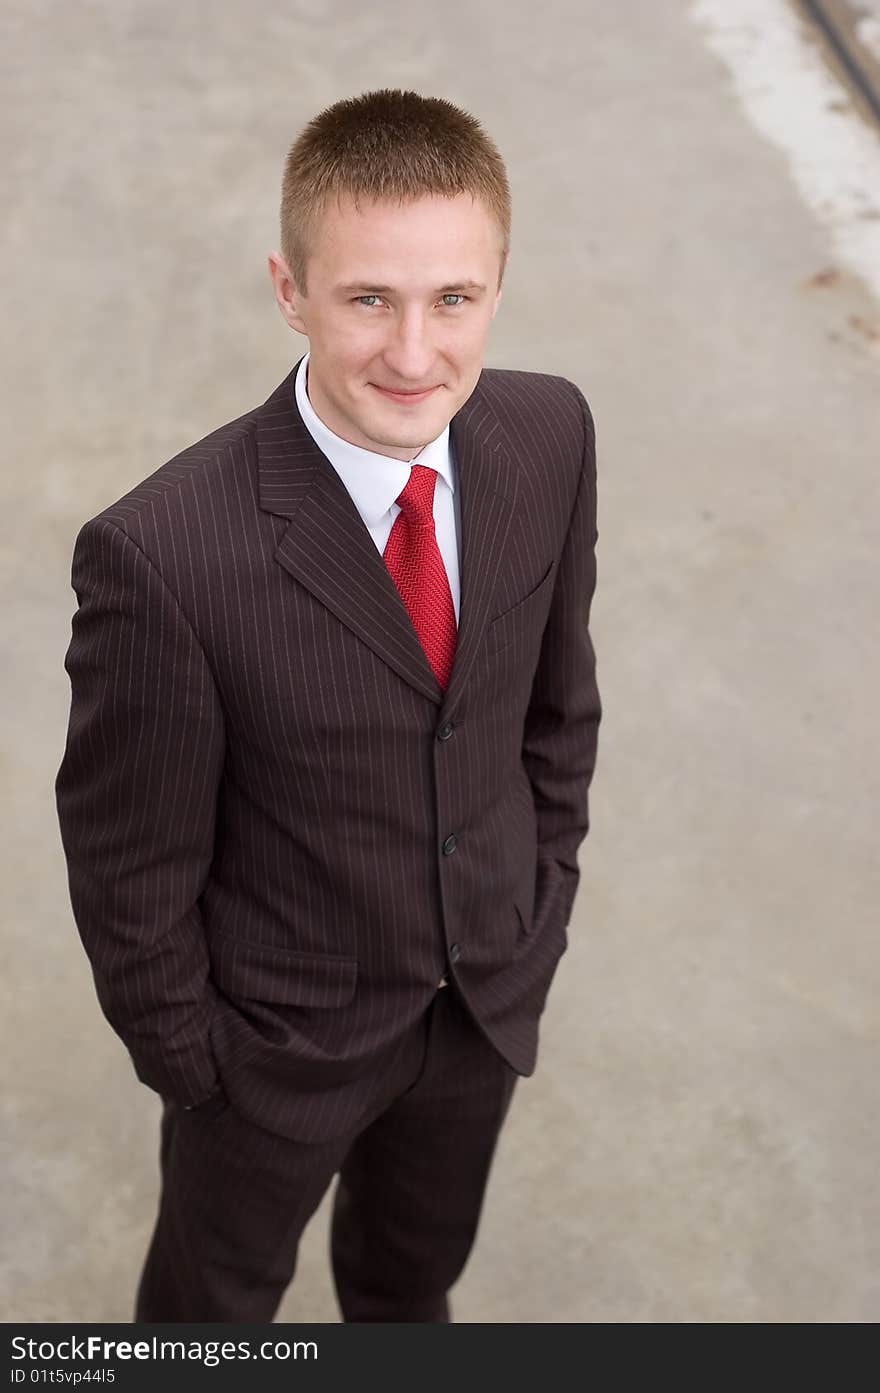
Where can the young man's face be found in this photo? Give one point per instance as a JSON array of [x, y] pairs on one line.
[[413, 334]]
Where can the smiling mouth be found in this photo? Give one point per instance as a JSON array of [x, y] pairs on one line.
[[404, 396]]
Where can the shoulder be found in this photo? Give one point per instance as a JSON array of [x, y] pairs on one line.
[[538, 401], [199, 470], [547, 426]]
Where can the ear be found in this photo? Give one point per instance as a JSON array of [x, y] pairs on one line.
[[505, 261], [286, 294], [499, 291]]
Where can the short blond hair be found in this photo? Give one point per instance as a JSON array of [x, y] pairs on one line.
[[387, 144]]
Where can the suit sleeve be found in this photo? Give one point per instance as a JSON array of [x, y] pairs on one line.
[[562, 721], [136, 798]]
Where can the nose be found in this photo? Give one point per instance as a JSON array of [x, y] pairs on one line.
[[410, 357]]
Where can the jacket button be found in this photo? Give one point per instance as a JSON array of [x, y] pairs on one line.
[[454, 952], [445, 731], [449, 845]]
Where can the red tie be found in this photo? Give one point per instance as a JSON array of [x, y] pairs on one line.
[[414, 563]]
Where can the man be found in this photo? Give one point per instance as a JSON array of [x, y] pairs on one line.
[[333, 722]]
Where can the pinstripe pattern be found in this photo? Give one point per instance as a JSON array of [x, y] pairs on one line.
[[412, 1176], [259, 784]]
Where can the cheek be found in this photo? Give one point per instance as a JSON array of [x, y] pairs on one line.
[[349, 358]]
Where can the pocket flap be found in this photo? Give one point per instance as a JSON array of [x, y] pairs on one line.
[[260, 972], [515, 621]]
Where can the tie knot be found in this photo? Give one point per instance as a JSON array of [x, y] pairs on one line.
[[416, 502]]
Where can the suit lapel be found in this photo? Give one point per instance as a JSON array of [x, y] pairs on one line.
[[327, 548]]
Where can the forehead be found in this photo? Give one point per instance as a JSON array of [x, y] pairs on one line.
[[360, 240]]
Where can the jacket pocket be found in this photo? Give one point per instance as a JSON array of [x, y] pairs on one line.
[[260, 972], [518, 620]]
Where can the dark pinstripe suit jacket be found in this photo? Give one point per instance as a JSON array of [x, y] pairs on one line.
[[279, 832]]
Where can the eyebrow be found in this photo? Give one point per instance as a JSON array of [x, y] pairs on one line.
[[389, 289]]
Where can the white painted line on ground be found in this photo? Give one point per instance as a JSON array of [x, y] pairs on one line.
[[793, 99]]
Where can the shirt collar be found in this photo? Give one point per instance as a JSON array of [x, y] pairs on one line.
[[374, 481]]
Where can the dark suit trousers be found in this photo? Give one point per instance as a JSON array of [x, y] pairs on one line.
[[412, 1176]]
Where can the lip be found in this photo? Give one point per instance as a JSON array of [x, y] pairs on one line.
[[407, 398]]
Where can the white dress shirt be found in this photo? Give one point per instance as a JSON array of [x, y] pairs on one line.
[[376, 481]]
